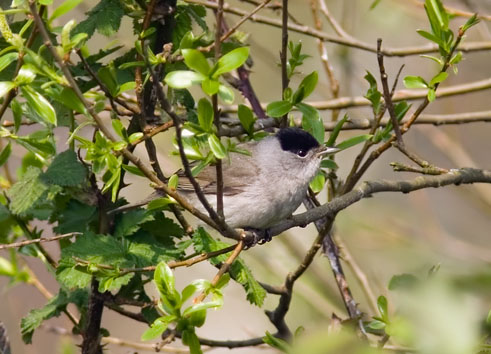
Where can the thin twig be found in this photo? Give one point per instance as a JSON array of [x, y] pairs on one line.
[[223, 269], [351, 42], [387, 94], [283, 54], [38, 240]]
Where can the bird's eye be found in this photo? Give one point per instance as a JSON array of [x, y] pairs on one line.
[[302, 153]]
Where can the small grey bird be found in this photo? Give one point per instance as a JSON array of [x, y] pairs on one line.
[[265, 186]]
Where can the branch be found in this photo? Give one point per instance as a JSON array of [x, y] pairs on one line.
[[283, 54], [350, 42], [401, 95], [368, 188], [38, 240]]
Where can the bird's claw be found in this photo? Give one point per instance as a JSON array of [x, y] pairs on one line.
[[259, 236]]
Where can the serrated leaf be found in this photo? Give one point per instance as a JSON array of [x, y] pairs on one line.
[[128, 223], [353, 141], [195, 60], [27, 191], [180, 79], [230, 61], [75, 217], [278, 108], [65, 170], [105, 17], [415, 82], [39, 104]]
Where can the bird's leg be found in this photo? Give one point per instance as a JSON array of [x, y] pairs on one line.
[[259, 236]]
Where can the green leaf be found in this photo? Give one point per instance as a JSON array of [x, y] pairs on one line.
[[203, 242], [128, 223], [105, 17], [472, 21], [456, 58], [415, 82], [210, 87], [403, 281], [173, 181], [277, 343], [5, 87], [39, 104], [374, 4], [230, 61], [64, 8], [52, 309], [180, 79], [373, 94], [336, 130], [68, 98], [164, 280], [438, 78], [205, 115], [278, 109], [329, 164], [4, 155], [311, 121], [26, 75], [376, 325], [429, 36], [318, 182], [75, 217], [157, 328], [246, 118], [353, 141], [17, 113], [7, 59], [226, 94], [26, 192], [217, 147], [382, 306], [190, 339], [195, 60], [435, 59], [309, 83], [431, 95], [65, 170]]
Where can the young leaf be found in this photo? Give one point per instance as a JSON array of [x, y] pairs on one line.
[[157, 328], [277, 343], [5, 87], [470, 22], [210, 87], [278, 108], [318, 182], [195, 60], [246, 118], [415, 82], [39, 104], [431, 95], [230, 61], [217, 147], [438, 78], [353, 141], [64, 8], [336, 130], [225, 94], [383, 307], [180, 79], [7, 59], [4, 155], [309, 83]]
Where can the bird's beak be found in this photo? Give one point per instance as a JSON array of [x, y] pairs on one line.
[[326, 150]]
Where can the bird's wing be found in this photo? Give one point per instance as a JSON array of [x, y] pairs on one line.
[[237, 170]]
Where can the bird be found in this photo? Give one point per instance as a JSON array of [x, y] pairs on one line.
[[263, 186]]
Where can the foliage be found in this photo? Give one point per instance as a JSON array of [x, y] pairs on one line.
[[80, 117]]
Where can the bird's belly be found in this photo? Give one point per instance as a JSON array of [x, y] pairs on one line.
[[259, 212]]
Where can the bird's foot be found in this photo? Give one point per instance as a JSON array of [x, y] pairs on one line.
[[258, 236]]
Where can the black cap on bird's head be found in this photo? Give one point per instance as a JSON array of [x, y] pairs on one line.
[[296, 140]]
